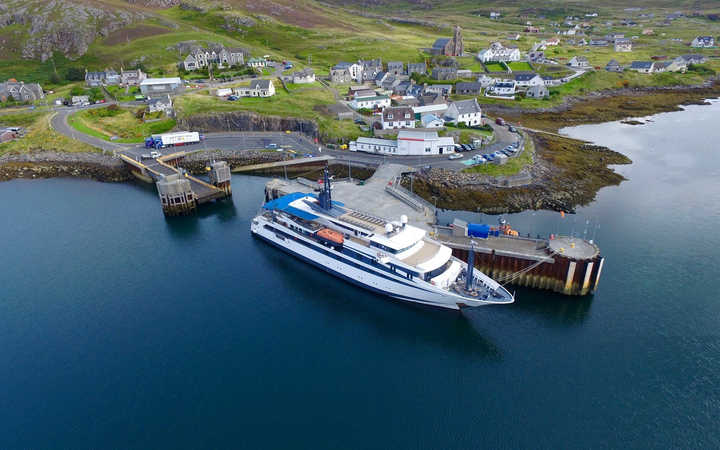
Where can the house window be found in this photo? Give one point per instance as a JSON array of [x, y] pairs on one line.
[[390, 116]]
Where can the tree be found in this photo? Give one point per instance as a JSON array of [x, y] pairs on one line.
[[75, 74], [54, 78]]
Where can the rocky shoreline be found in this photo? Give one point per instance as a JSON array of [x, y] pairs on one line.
[[565, 173], [95, 166]]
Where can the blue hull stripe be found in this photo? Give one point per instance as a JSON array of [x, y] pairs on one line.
[[345, 277]]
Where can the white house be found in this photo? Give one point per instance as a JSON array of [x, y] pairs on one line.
[[398, 117], [409, 142], [370, 102], [163, 104], [304, 76], [579, 62], [643, 66], [465, 111], [498, 52], [502, 88], [703, 42], [623, 45], [257, 88], [528, 79]]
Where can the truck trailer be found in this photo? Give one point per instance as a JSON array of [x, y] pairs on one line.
[[172, 139]]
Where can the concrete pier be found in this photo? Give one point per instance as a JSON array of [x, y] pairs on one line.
[[176, 195], [162, 171]]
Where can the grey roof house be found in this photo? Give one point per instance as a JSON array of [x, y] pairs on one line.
[[540, 91], [614, 66], [468, 88]]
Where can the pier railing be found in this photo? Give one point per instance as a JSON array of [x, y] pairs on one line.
[[413, 200]]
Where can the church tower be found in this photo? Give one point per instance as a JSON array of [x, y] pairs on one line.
[[458, 49]]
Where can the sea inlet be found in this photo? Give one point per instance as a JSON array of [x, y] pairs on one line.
[[119, 328]]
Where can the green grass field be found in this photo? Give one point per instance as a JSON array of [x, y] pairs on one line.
[[39, 135], [520, 66], [105, 123], [495, 67]]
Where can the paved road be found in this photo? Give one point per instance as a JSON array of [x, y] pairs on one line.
[[245, 141]]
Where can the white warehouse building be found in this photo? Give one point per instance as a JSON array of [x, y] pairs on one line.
[[409, 142]]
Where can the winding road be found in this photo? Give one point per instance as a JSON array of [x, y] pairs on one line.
[[253, 140]]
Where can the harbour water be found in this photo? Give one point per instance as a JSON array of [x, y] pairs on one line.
[[119, 328]]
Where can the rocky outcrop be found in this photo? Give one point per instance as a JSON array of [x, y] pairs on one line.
[[65, 26], [155, 3], [238, 23], [55, 164], [247, 121]]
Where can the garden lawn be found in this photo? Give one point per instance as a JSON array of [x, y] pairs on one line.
[[520, 66], [495, 67]]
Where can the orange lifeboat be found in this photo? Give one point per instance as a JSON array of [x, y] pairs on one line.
[[331, 236]]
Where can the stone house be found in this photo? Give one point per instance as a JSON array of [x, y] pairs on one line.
[[131, 77], [444, 73], [396, 67], [370, 68], [200, 58], [420, 68], [94, 79], [20, 91], [338, 72]]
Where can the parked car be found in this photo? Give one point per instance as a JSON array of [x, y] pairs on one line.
[[489, 156], [232, 98], [465, 147], [272, 146], [500, 121], [455, 156], [359, 121], [511, 129]]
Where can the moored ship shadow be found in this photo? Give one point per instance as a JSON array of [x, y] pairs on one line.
[[390, 319]]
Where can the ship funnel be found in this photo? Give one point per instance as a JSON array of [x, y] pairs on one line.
[[325, 197], [471, 266]]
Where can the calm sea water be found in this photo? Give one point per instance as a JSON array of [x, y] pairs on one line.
[[121, 329]]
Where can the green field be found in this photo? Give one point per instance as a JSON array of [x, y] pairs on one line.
[[520, 66], [105, 123], [495, 67]]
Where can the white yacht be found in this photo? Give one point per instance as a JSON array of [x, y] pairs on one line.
[[391, 258]]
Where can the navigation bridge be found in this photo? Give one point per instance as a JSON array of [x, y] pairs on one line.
[[180, 192]]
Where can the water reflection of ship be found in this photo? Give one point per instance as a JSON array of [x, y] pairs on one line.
[[455, 333]]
